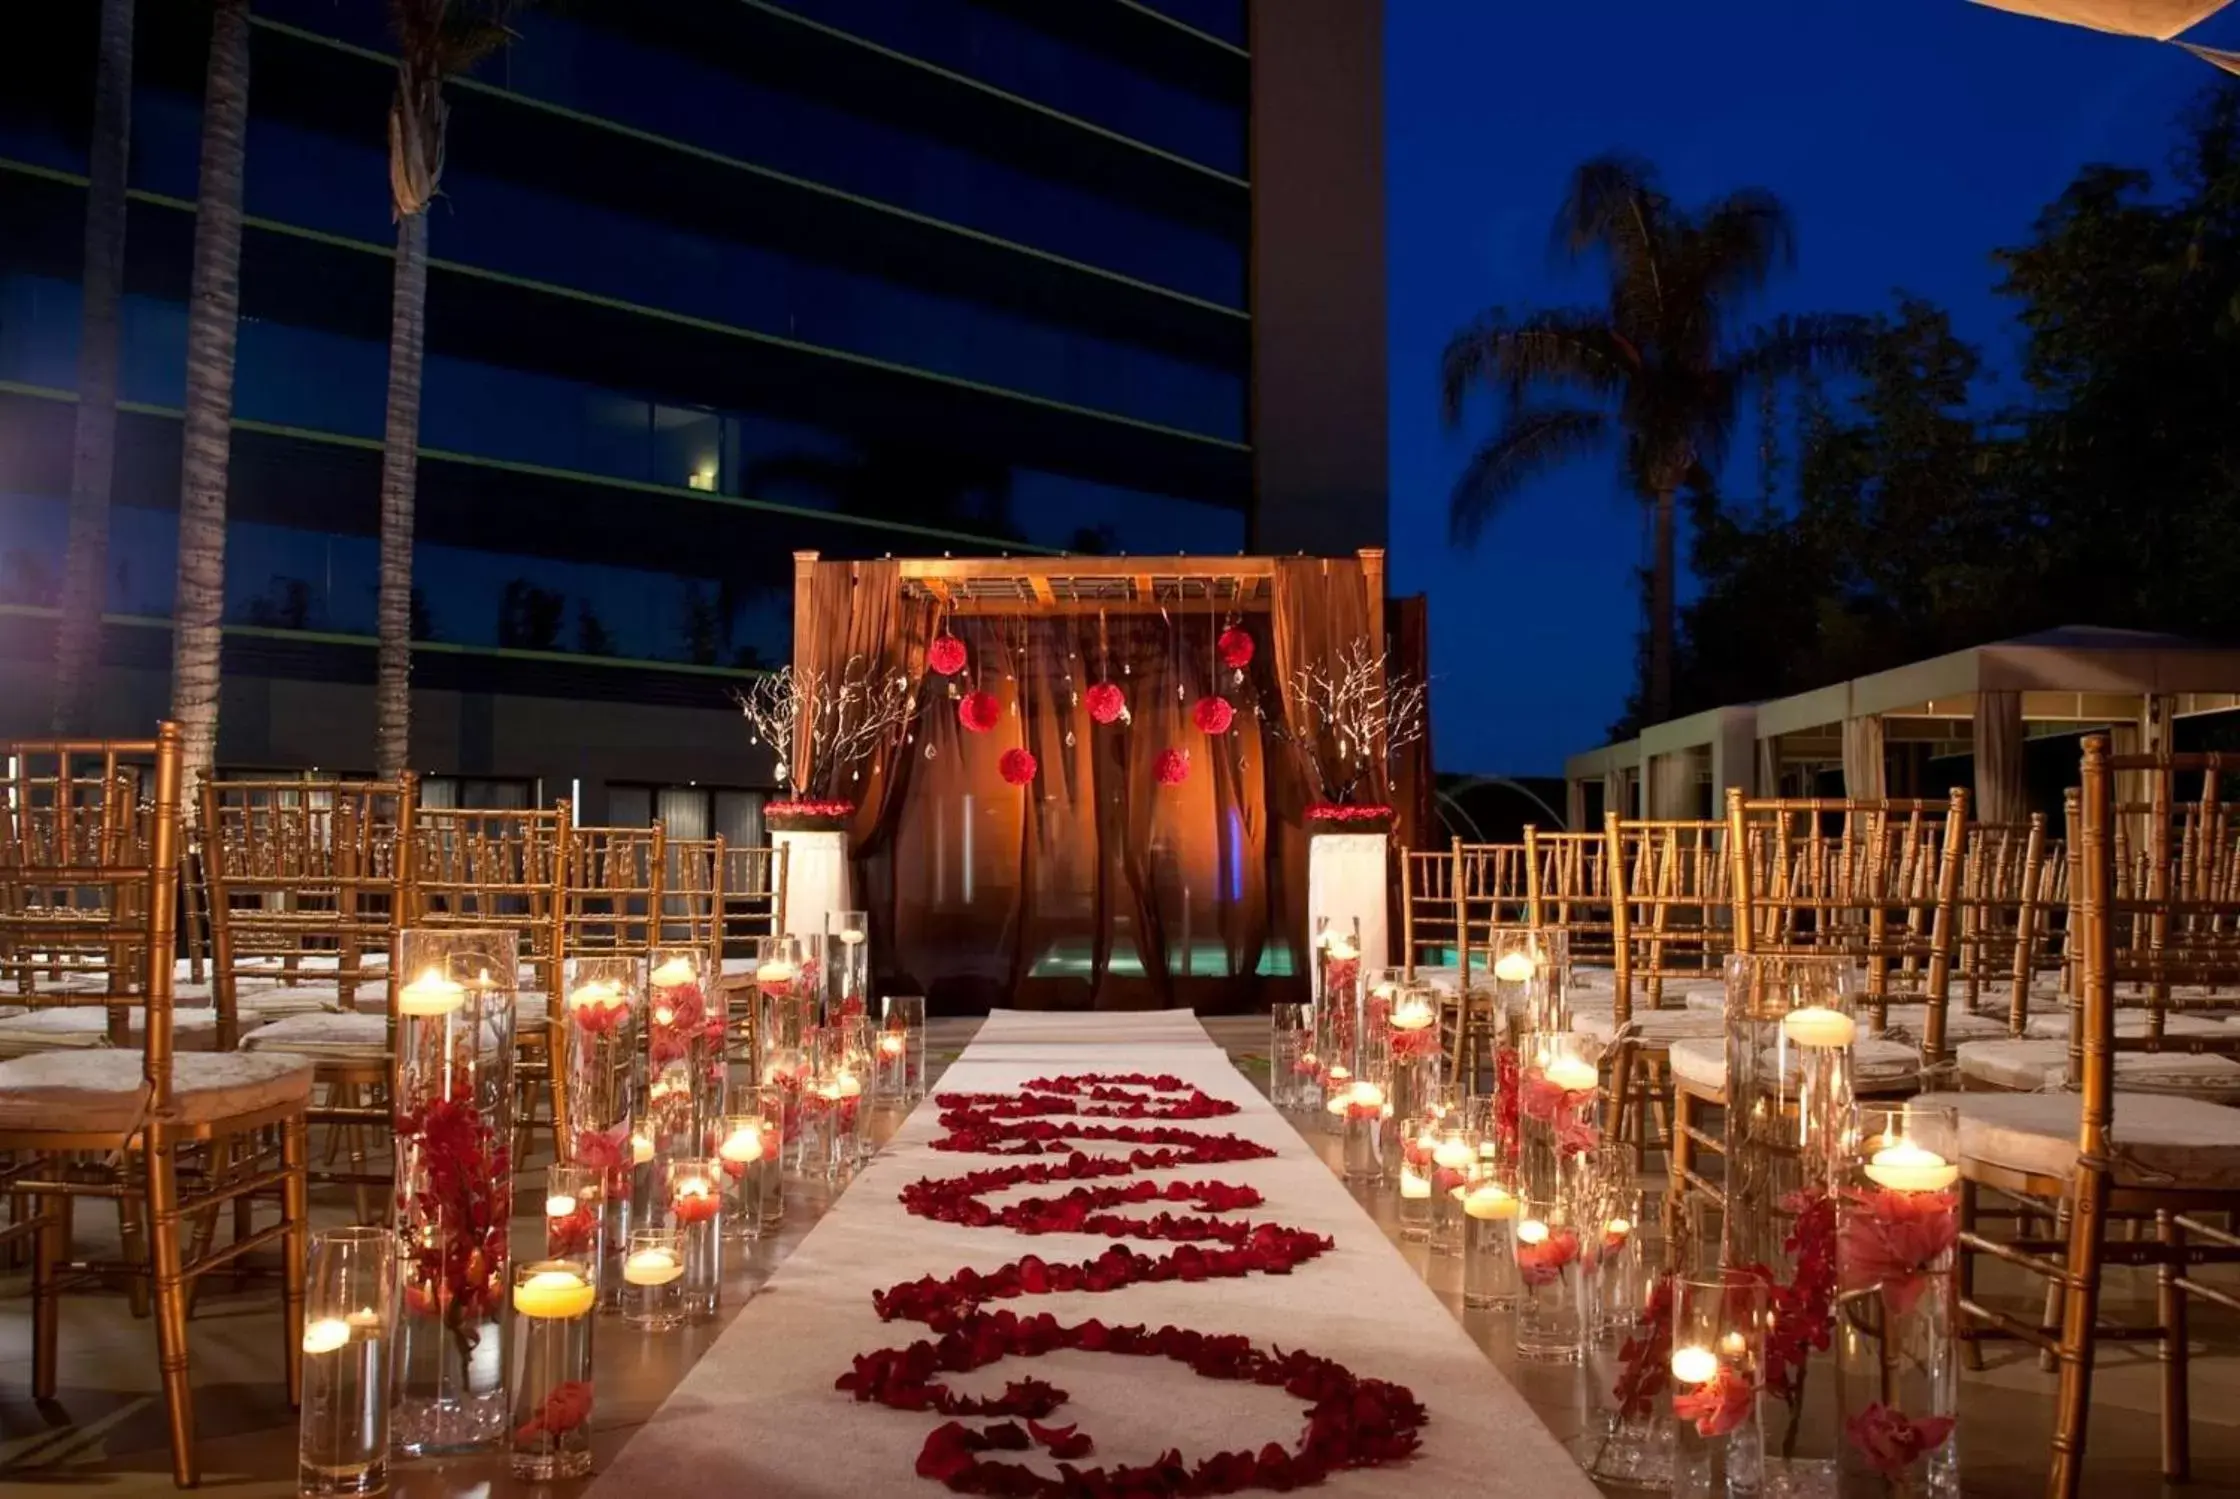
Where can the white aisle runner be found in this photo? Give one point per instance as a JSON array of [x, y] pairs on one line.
[[758, 1414]]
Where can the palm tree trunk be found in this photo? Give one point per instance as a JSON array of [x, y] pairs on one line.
[[1661, 576], [213, 323], [85, 565], [400, 457]]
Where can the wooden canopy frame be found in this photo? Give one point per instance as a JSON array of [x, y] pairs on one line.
[[970, 587]]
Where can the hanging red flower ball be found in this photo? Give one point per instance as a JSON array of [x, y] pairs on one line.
[[979, 711], [946, 655], [1235, 647], [1172, 767], [1107, 702], [1017, 767], [1213, 715]]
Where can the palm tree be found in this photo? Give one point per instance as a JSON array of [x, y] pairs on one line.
[[1656, 368], [213, 321], [85, 565], [435, 39]]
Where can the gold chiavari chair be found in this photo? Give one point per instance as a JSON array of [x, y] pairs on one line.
[[501, 869], [1994, 956], [692, 895], [306, 896], [117, 1124], [1492, 891], [1568, 891], [1430, 911], [1671, 930], [2162, 918], [609, 905], [750, 903]]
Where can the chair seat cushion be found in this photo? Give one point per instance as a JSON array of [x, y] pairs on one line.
[[1702, 1063], [82, 1026], [2053, 1025], [2033, 1066], [1652, 1027], [2160, 1140], [1904, 1023], [99, 1089], [327, 1036]]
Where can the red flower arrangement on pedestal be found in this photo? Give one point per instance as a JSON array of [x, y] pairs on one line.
[[945, 655], [807, 815], [979, 711], [1235, 647], [1352, 1422], [1213, 715], [1106, 702], [1172, 767], [1017, 767]]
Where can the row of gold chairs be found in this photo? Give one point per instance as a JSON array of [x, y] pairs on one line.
[[188, 1096]]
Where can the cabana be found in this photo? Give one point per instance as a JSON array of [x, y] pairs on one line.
[[1680, 769], [1098, 795]]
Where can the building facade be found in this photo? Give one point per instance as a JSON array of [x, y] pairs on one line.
[[712, 281]]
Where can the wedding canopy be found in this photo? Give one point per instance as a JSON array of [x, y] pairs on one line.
[[1099, 797]]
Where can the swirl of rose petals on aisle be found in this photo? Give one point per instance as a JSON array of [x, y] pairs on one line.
[[1351, 1421]]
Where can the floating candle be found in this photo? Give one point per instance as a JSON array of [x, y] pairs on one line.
[[846, 1085], [1343, 950], [1571, 1074], [1413, 1013], [677, 970], [1366, 1096], [598, 994], [775, 974], [742, 1144], [641, 1149], [1454, 1153], [852, 936], [890, 1045], [1413, 1186], [559, 1205], [431, 994], [325, 1335], [1513, 967], [1486, 1200], [1903, 1166], [554, 1293], [1817, 1025], [1532, 1231], [1694, 1364], [652, 1267]]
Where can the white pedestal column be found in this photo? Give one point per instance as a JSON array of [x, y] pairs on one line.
[[1348, 876], [816, 879]]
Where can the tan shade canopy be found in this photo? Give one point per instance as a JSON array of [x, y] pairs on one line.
[[2216, 57], [2160, 19]]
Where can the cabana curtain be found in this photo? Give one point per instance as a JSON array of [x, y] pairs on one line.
[[2002, 791]]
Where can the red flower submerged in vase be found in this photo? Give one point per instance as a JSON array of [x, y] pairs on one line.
[[694, 1207], [1539, 1264], [1892, 1239], [1892, 1441], [680, 1014], [600, 1017], [566, 1408], [1802, 1319], [1718, 1405], [572, 1233], [1645, 1358], [461, 1183], [1419, 1045], [1340, 974]]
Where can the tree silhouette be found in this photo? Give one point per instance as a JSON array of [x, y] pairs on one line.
[[529, 617], [1656, 370]]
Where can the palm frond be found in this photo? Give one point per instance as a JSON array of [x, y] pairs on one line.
[[1530, 442], [1572, 348], [1614, 206], [1739, 243], [1796, 346]]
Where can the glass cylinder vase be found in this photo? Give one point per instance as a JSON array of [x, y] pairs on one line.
[[1897, 1308], [904, 1015], [575, 1222], [1551, 1295], [687, 1070], [1364, 1113], [453, 1100], [1626, 1441], [1290, 1055], [1454, 1157], [1790, 1122], [1716, 1362], [1559, 1105], [752, 1154], [553, 1302], [784, 1016], [653, 1279], [350, 1321], [695, 1211], [847, 964], [604, 1057], [1409, 1016], [1490, 1211], [1337, 1001]]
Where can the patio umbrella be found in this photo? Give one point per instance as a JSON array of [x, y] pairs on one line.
[[2161, 20]]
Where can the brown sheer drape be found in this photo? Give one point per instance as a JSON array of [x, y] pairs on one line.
[[1321, 607], [1092, 886]]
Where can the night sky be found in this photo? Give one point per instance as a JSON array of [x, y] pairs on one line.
[[1909, 139]]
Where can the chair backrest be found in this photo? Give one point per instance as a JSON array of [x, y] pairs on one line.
[[1874, 880], [1493, 890], [753, 896], [2151, 917], [1568, 890], [610, 891], [90, 874], [692, 894], [1430, 907], [1671, 908], [302, 872], [492, 868], [1998, 921]]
